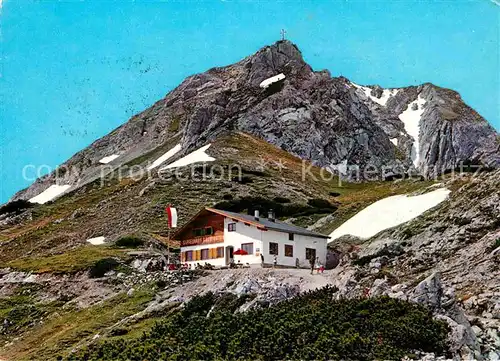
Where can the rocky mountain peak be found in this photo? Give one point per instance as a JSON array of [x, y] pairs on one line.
[[281, 57], [330, 121]]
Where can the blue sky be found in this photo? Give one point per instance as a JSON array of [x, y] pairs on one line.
[[71, 71]]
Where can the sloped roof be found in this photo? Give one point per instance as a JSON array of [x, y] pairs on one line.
[[265, 223]]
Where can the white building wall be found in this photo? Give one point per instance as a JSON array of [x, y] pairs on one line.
[[213, 261], [244, 234], [299, 243], [261, 239]]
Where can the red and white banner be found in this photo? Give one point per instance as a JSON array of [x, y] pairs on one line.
[[172, 216]]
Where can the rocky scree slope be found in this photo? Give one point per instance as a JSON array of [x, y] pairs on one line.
[[454, 251], [312, 116], [326, 120]]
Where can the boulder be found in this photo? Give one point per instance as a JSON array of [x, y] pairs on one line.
[[429, 292]]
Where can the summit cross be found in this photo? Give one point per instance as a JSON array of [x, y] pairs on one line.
[[283, 33]]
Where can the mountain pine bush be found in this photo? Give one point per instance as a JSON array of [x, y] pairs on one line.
[[311, 326]]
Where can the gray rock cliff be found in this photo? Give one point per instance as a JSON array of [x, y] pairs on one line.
[[327, 120]]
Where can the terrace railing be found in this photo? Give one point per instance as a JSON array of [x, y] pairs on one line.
[[202, 240]]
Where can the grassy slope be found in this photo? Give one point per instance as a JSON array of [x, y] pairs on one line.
[[74, 260], [66, 328], [116, 209], [53, 240]]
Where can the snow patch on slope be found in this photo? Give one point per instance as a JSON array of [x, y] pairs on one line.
[[165, 157], [50, 193], [411, 120], [108, 159], [266, 83], [394, 141], [96, 240], [389, 212], [197, 156], [386, 94], [341, 167]]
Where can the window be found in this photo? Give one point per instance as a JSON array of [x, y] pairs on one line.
[[310, 253], [231, 227], [247, 247], [220, 252], [288, 250], [204, 254], [290, 236], [200, 232], [189, 256], [273, 248]]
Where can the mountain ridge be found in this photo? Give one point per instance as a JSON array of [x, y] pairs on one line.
[[323, 119], [253, 146]]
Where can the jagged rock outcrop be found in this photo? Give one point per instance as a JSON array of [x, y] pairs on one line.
[[327, 120], [453, 251]]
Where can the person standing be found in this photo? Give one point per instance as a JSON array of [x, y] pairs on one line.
[[262, 260], [311, 262], [275, 261]]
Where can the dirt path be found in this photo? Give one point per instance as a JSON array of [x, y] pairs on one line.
[[218, 280]]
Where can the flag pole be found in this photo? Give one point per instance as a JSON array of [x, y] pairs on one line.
[[171, 223], [168, 238], [168, 247]]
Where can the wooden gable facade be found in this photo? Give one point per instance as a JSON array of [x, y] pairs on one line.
[[205, 228]]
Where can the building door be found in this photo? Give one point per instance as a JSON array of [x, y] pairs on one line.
[[229, 254], [310, 253]]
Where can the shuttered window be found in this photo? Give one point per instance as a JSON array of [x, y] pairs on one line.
[[220, 252], [288, 250], [204, 254]]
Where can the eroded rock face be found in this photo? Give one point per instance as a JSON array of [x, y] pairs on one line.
[[454, 135], [429, 292], [447, 260], [327, 120]]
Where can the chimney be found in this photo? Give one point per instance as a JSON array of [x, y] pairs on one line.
[[256, 214], [270, 215]]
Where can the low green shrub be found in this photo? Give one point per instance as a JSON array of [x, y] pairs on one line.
[[495, 244], [174, 124], [102, 266], [311, 326], [281, 206], [16, 207], [129, 242], [320, 203]]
